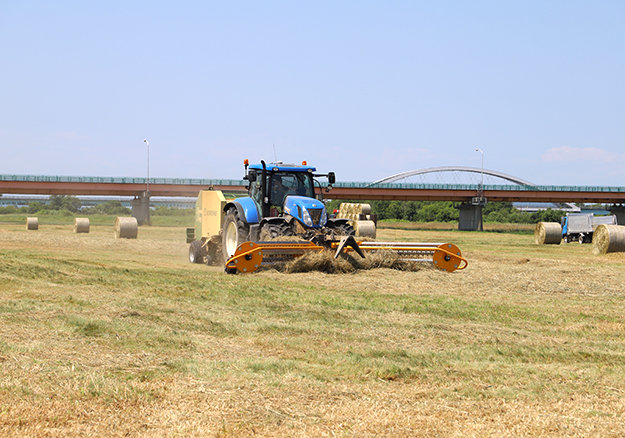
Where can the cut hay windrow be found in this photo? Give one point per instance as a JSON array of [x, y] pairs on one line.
[[324, 261], [608, 238], [548, 233]]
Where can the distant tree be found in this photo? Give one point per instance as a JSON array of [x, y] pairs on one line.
[[9, 209], [36, 207], [548, 215], [64, 202], [109, 208]]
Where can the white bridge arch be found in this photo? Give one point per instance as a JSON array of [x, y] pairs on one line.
[[411, 173]]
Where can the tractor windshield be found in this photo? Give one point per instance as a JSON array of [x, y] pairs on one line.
[[284, 184]]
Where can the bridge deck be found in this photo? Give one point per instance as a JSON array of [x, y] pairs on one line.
[[353, 191]]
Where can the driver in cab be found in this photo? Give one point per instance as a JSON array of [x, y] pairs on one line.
[[278, 192]]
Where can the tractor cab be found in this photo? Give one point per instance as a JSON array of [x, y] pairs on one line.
[[271, 186]]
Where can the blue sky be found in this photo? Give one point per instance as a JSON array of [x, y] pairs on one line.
[[363, 88]]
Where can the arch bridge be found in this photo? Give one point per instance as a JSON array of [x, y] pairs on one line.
[[454, 169]]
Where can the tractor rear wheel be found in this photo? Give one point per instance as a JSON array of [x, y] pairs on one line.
[[233, 233]]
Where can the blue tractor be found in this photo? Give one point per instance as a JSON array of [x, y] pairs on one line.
[[283, 200]]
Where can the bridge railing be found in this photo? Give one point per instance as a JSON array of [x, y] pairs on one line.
[[508, 187], [122, 180]]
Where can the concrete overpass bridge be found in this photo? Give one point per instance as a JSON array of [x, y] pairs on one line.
[[472, 195]]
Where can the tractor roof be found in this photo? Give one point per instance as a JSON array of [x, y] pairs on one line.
[[281, 167]]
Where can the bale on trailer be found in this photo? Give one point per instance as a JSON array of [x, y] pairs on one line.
[[608, 238], [351, 211], [81, 225], [126, 228], [32, 223], [364, 228], [364, 209], [548, 233]]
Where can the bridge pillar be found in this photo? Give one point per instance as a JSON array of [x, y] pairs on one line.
[[471, 215], [141, 208], [619, 212]]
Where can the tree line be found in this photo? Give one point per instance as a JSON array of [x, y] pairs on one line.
[[446, 211], [71, 205], [412, 211]]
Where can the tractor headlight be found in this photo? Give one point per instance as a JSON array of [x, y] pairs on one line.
[[324, 217], [306, 217]]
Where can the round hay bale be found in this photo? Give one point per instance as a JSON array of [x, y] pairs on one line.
[[365, 229], [81, 225], [548, 233], [608, 238], [126, 228], [32, 223], [365, 209]]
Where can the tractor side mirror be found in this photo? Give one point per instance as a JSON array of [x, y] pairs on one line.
[[251, 177], [331, 178]]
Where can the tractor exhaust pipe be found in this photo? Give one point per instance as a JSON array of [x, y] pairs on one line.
[[263, 185]]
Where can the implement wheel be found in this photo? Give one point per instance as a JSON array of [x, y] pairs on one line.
[[196, 252], [233, 233]]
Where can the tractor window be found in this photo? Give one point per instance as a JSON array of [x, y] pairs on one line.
[[285, 184], [256, 193]]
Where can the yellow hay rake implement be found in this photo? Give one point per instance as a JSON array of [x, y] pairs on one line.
[[249, 256]]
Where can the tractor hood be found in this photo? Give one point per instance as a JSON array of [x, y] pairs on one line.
[[310, 212]]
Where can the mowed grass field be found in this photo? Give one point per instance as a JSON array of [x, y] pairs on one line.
[[106, 337]]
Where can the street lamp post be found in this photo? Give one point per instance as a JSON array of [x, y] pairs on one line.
[[481, 200], [482, 179], [148, 185]]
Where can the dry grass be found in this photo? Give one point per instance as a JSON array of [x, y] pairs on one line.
[[113, 337]]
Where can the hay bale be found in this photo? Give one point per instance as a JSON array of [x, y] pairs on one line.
[[365, 209], [126, 228], [364, 229], [32, 223], [81, 225], [342, 210], [608, 238], [547, 233]]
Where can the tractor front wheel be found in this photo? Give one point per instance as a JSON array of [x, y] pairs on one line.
[[273, 231], [344, 230]]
